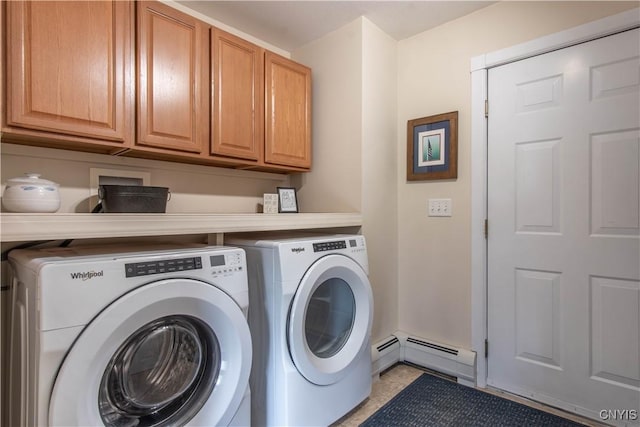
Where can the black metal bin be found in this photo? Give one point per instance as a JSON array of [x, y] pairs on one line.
[[133, 199]]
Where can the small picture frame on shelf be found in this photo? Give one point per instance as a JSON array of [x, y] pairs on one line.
[[270, 203], [287, 201]]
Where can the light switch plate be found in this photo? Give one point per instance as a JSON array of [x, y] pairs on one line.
[[439, 207]]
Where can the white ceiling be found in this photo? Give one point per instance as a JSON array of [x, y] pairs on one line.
[[291, 24]]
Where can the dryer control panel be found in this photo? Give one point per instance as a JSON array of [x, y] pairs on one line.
[[329, 246], [335, 245]]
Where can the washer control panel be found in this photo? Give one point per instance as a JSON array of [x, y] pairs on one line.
[[137, 269], [226, 263]]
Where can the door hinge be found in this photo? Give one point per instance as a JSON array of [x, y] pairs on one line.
[[486, 348], [486, 108], [486, 228]]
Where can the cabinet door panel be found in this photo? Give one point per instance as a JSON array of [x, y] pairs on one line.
[[172, 79], [288, 112], [70, 68], [238, 106]]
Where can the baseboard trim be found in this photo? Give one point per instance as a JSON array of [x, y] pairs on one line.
[[443, 358]]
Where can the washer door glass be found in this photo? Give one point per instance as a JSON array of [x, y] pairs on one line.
[[161, 375], [330, 316], [172, 352]]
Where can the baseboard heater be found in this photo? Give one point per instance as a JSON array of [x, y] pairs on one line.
[[385, 354], [402, 347]]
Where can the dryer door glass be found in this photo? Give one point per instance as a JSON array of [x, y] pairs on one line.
[[329, 319], [161, 375]]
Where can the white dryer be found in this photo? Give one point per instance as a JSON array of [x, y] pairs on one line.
[[310, 316], [116, 337]]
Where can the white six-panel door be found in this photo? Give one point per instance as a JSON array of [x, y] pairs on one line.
[[564, 220]]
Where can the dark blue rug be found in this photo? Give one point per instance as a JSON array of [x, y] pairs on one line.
[[433, 401]]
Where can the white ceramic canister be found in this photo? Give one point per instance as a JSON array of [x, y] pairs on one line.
[[31, 194]]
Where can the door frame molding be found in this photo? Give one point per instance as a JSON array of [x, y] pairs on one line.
[[480, 66]]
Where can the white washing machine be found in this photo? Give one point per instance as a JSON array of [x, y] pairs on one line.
[[124, 337], [310, 316]]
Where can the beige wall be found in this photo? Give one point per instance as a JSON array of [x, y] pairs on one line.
[[354, 110], [379, 197], [434, 77], [335, 183]]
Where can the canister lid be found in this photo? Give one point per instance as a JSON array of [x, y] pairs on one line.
[[31, 178]]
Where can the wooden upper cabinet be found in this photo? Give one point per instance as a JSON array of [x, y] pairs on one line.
[[237, 74], [141, 78], [173, 79], [69, 69], [288, 112]]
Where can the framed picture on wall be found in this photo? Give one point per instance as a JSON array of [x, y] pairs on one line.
[[287, 201], [432, 147]]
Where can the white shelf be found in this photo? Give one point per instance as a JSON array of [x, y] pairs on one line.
[[27, 227]]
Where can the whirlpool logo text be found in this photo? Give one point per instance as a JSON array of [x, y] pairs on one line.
[[87, 275], [297, 250]]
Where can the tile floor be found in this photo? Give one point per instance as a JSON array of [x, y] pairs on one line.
[[393, 380]]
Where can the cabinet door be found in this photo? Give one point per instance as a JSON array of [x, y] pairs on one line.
[[70, 68], [238, 97], [173, 87], [288, 112]]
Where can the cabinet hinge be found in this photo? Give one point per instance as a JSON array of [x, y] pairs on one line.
[[486, 108], [486, 348], [486, 228]]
